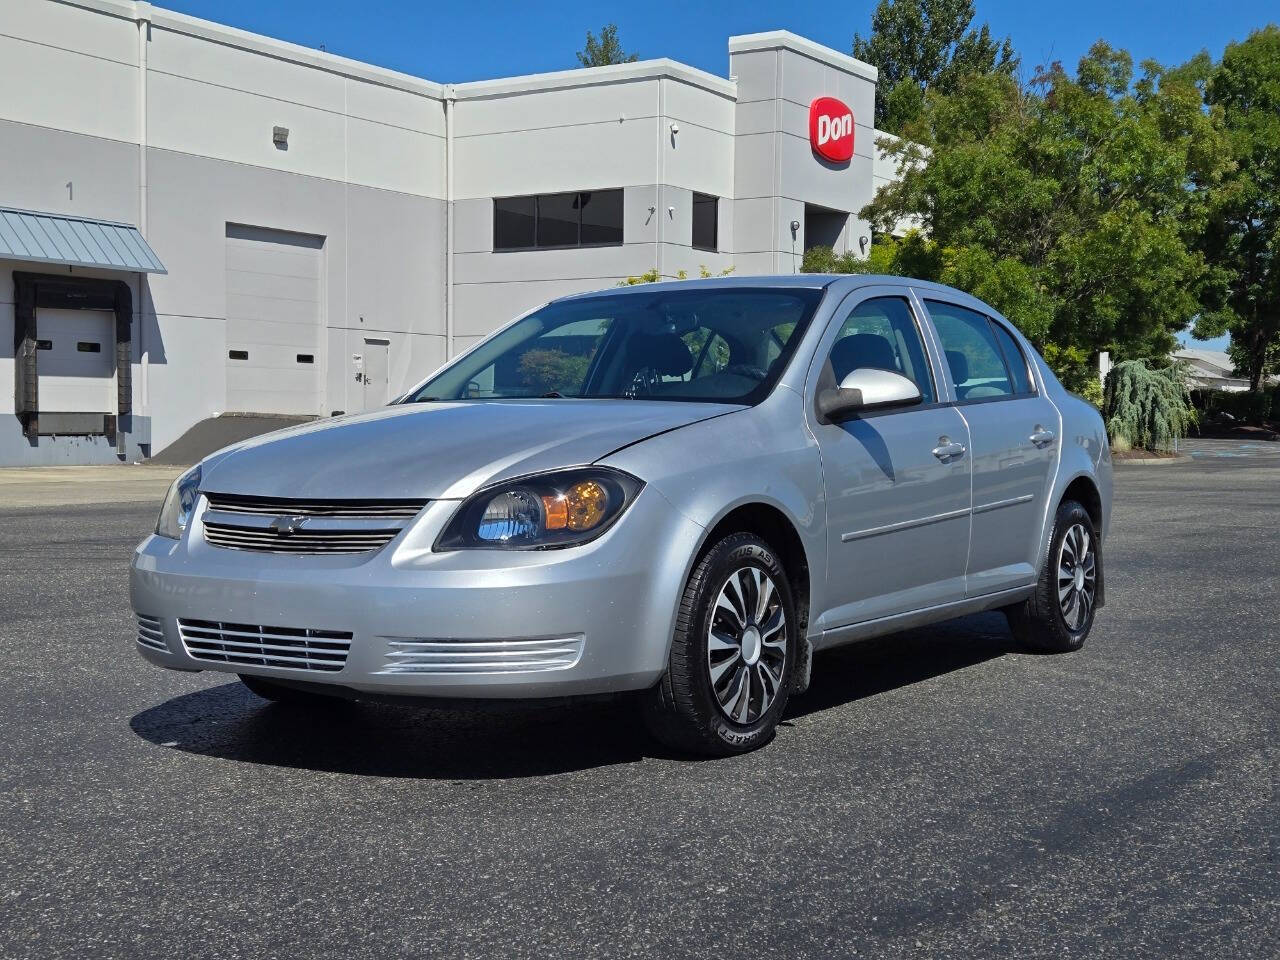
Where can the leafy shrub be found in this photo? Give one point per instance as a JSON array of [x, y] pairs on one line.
[[1248, 406], [1149, 408]]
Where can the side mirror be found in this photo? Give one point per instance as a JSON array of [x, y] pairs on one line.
[[866, 389]]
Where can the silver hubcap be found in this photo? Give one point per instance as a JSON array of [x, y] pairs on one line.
[[1077, 576], [747, 645]]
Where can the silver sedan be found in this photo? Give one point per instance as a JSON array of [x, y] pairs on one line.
[[681, 490]]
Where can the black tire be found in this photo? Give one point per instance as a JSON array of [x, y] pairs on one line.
[[1040, 622], [283, 693], [684, 710]]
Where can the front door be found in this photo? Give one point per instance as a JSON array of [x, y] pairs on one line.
[[377, 372], [897, 481], [1014, 431]]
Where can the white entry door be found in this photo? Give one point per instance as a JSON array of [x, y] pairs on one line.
[[377, 372], [76, 361], [274, 325]]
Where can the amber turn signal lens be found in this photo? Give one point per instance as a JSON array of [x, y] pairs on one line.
[[557, 511], [587, 502]]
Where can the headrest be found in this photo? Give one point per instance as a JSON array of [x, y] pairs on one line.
[[959, 365], [860, 350], [663, 353]]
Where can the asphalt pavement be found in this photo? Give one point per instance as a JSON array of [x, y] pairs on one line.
[[936, 794]]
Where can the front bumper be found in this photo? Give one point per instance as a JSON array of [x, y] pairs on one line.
[[471, 624]]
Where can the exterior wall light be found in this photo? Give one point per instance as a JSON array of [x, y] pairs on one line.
[[280, 137]]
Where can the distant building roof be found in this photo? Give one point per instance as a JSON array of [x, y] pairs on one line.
[[1216, 359]]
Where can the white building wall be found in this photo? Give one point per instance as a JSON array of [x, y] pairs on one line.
[[166, 121], [364, 168]]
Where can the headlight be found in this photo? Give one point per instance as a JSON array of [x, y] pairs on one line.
[[561, 509], [175, 512]]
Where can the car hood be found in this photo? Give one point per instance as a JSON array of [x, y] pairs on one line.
[[440, 450]]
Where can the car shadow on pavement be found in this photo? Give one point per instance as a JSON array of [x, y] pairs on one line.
[[871, 667], [506, 741]]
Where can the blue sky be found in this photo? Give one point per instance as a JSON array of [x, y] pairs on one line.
[[480, 39]]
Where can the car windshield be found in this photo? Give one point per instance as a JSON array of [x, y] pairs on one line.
[[727, 345]]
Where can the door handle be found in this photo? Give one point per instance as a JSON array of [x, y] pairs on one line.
[[1041, 437], [948, 449]]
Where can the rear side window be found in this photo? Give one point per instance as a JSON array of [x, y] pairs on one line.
[[973, 356], [881, 334], [1015, 359]]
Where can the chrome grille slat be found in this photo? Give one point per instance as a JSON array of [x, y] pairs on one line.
[[287, 648], [435, 655], [151, 633], [337, 527], [284, 506]]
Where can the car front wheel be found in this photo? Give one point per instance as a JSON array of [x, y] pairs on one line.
[[729, 672]]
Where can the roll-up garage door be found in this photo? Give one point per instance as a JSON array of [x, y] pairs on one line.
[[274, 320]]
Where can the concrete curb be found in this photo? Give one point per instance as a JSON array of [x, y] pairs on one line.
[[1153, 462]]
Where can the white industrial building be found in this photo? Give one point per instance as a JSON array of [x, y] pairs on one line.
[[195, 220]]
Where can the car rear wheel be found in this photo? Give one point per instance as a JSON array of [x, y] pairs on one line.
[[1057, 618], [729, 672], [283, 693]]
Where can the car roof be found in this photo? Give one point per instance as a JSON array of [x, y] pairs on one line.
[[808, 281]]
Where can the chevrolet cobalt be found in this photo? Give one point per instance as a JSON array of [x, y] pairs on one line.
[[681, 490]]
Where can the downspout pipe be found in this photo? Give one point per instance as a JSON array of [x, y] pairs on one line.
[[142, 16], [450, 104]]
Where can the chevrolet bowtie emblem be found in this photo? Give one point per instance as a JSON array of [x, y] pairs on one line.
[[287, 526]]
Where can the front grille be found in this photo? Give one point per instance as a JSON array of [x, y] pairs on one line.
[[422, 655], [287, 507], [151, 633], [280, 525], [291, 648]]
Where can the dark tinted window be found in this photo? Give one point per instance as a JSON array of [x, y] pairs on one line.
[[1015, 360], [513, 222], [882, 334], [705, 210], [976, 364], [88, 346], [580, 219], [601, 217], [558, 220]]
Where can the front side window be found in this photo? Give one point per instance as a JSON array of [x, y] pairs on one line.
[[585, 218], [881, 334], [973, 356], [727, 345]]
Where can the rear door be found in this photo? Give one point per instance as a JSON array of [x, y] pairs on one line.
[[1014, 434], [897, 509]]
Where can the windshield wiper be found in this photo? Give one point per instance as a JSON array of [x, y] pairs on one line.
[[551, 395]]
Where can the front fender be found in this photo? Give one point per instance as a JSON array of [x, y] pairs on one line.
[[763, 455]]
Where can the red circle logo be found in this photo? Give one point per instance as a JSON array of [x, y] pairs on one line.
[[831, 129]]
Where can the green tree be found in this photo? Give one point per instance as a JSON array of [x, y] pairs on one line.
[[1146, 407], [1242, 240], [922, 45], [606, 50], [1071, 204]]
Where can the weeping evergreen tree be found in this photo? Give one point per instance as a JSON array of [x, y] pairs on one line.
[[1150, 408]]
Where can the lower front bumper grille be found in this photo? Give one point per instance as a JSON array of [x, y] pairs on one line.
[[290, 648], [151, 633], [420, 655]]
